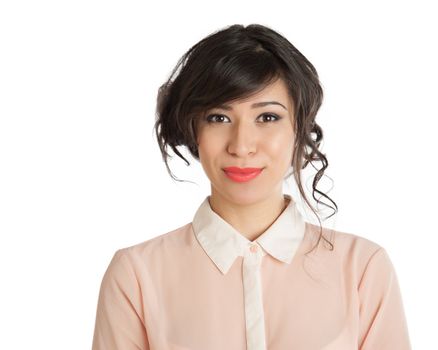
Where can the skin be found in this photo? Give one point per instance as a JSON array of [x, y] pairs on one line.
[[248, 137]]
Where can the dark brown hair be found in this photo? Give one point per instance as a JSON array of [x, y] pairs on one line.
[[234, 63]]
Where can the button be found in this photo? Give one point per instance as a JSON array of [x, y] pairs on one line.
[[253, 248]]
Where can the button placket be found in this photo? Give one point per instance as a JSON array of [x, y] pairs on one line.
[[254, 314], [253, 256]]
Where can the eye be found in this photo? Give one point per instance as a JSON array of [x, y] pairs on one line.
[[272, 117], [212, 116]]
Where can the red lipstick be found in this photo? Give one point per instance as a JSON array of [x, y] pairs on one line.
[[242, 174]]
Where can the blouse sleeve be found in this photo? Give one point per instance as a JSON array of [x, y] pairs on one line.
[[382, 319], [119, 321]]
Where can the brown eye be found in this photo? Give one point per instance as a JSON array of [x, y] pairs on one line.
[[276, 117], [211, 117], [218, 118]]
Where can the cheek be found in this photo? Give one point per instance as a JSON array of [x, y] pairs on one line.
[[210, 141], [208, 148], [281, 143], [281, 150]]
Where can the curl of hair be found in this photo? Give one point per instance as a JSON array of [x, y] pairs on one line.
[[234, 63]]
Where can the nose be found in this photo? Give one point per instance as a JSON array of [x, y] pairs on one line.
[[242, 139]]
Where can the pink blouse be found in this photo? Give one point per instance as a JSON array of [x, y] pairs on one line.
[[204, 286]]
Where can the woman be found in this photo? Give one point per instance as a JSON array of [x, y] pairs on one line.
[[248, 272]]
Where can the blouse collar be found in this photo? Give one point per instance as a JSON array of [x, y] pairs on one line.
[[223, 243]]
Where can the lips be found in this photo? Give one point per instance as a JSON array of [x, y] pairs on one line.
[[242, 174], [233, 169]]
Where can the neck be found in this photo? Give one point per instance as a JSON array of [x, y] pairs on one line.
[[249, 219]]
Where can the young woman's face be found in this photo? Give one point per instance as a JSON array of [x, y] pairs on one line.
[[244, 136]]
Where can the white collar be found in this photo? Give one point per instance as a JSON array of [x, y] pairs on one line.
[[223, 243]]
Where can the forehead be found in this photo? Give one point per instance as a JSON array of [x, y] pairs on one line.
[[276, 91]]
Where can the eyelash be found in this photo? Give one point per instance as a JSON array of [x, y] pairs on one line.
[[209, 117]]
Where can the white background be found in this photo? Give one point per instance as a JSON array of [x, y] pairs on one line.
[[80, 170]]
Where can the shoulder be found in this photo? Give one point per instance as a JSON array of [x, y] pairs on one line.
[[352, 250], [158, 247], [344, 241]]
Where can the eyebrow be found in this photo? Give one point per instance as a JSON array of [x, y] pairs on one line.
[[254, 105]]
